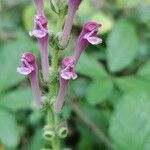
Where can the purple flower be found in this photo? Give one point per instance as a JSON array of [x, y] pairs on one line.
[[67, 73], [72, 8], [88, 35], [29, 68], [41, 33]]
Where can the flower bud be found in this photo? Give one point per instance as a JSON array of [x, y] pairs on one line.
[[49, 134], [63, 132]]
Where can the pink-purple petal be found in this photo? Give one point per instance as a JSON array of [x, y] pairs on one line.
[[38, 33], [24, 70], [94, 40]]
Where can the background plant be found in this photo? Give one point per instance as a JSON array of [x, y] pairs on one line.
[[113, 88]]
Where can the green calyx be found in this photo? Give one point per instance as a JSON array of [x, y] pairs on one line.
[[59, 7]]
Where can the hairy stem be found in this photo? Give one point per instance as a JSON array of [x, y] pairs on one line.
[[53, 118], [53, 95]]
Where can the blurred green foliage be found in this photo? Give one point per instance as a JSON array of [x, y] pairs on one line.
[[113, 88]]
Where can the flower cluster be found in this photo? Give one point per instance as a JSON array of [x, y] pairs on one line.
[[28, 65], [88, 36]]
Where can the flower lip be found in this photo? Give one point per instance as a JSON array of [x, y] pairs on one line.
[[67, 71], [24, 70], [40, 28]]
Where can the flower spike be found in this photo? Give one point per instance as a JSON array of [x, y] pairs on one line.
[[29, 68]]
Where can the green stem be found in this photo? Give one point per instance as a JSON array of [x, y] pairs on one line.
[[53, 121], [54, 76], [53, 95]]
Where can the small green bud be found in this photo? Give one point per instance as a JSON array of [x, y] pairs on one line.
[[49, 135], [63, 132]]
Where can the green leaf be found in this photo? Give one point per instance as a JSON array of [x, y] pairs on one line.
[[87, 12], [106, 21], [27, 16], [132, 85], [80, 86], [129, 126], [144, 71], [122, 46], [66, 111], [90, 67], [9, 130], [18, 99], [10, 59], [128, 3], [37, 141], [100, 119], [98, 91]]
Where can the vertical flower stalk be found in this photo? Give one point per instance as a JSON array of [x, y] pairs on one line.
[[67, 73], [29, 68], [40, 31], [72, 8], [88, 36]]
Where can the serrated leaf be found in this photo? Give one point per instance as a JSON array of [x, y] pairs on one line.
[[122, 46], [129, 126], [90, 67], [18, 99], [98, 91], [9, 130], [144, 71]]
